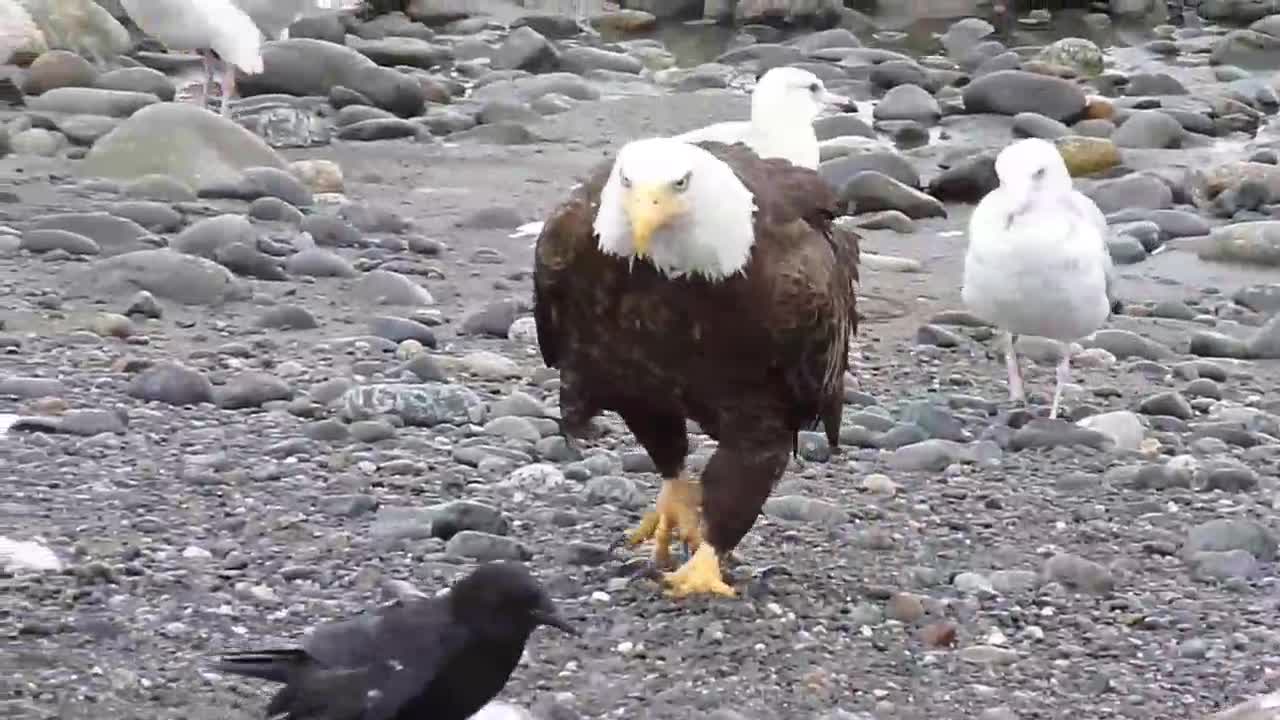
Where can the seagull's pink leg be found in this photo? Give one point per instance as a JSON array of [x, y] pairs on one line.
[[1016, 393], [1064, 377], [228, 86], [207, 59]]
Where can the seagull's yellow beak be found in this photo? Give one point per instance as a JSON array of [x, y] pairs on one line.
[[648, 208]]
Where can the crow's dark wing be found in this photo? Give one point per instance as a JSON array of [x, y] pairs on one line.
[[411, 642]]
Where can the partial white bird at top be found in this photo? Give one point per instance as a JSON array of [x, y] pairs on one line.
[[206, 26], [1038, 262], [784, 104], [274, 17]]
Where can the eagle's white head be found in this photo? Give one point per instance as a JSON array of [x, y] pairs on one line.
[[678, 206]]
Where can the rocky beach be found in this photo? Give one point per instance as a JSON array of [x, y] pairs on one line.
[[264, 371]]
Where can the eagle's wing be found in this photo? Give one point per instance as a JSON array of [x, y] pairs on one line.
[[564, 237]]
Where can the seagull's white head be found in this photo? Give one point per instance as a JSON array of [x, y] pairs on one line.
[[678, 206], [790, 94], [1033, 163]]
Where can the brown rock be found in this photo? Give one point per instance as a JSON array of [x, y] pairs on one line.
[[58, 68], [1098, 108], [1229, 175], [1086, 155], [904, 607], [939, 634], [320, 176], [624, 21]]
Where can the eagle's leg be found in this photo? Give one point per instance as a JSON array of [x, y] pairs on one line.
[[736, 482], [665, 439], [676, 513], [832, 417]]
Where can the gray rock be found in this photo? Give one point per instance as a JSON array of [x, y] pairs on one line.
[[207, 236], [182, 141], [1226, 534], [1033, 124], [399, 329], [526, 49], [113, 235], [1075, 572], [615, 490], [92, 101], [252, 389], [166, 274], [139, 80], [319, 262], [838, 171], [150, 215], [484, 547], [43, 241], [425, 405], [797, 508], [384, 287], [287, 317], [908, 102], [1149, 129], [932, 454], [870, 191], [172, 384], [261, 182], [1138, 190], [305, 66], [1171, 403], [1009, 92]]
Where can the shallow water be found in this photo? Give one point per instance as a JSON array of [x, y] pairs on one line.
[[696, 41]]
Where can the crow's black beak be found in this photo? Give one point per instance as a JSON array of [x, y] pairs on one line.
[[549, 616]]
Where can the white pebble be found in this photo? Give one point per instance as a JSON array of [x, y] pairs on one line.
[[523, 330], [21, 555], [880, 484], [196, 553], [625, 647], [600, 597]]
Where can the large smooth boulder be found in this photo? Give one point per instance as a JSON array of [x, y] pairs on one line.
[[305, 66], [1009, 92], [166, 274], [180, 140], [81, 26]]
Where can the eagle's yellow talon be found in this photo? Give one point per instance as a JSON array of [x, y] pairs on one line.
[[677, 513], [700, 575], [648, 525]]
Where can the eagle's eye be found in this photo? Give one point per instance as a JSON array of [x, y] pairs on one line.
[[626, 181], [683, 183], [1038, 174], [815, 88]]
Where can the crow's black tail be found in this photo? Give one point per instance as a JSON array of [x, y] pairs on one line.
[[274, 665]]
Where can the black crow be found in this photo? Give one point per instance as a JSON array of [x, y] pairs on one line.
[[441, 658]]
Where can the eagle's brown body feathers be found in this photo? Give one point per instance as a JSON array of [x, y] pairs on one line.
[[753, 358]]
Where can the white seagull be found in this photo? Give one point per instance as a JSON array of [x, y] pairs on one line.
[[784, 104], [1038, 262], [206, 26]]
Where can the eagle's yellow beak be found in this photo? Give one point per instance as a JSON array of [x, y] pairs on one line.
[[649, 207]]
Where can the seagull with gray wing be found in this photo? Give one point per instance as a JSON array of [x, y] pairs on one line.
[[1037, 262]]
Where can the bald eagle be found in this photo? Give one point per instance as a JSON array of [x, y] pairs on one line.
[[699, 281]]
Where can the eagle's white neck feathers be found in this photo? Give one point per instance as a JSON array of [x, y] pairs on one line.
[[711, 230]]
